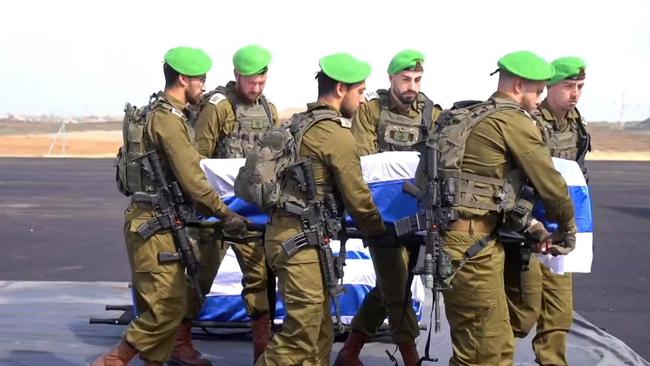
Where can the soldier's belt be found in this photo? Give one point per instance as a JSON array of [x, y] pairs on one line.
[[485, 224]]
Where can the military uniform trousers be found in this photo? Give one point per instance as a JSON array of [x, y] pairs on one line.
[[540, 297], [307, 331], [387, 298], [476, 306], [159, 290], [252, 263]]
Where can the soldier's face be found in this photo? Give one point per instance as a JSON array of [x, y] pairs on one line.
[[250, 87], [406, 85], [530, 93], [565, 94], [194, 89], [352, 99]]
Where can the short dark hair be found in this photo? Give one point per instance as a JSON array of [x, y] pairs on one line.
[[327, 85], [171, 76]]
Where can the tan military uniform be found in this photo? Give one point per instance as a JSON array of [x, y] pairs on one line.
[[387, 298], [476, 304], [538, 296], [307, 333], [160, 288], [217, 136]]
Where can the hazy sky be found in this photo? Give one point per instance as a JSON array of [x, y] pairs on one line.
[[72, 57]]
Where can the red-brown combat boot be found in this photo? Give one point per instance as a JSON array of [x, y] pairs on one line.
[[184, 353], [349, 354], [120, 355], [261, 328], [409, 353]]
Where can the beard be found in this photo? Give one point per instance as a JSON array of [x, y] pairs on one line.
[[193, 99], [347, 111], [407, 97]]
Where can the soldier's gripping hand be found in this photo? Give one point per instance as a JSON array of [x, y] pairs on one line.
[[564, 242], [537, 237], [234, 225]]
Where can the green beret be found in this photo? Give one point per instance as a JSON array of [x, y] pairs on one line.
[[568, 68], [526, 65], [405, 60], [251, 60], [188, 61], [345, 68]]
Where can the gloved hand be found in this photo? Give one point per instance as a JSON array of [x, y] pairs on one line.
[[537, 236], [234, 225], [563, 242]]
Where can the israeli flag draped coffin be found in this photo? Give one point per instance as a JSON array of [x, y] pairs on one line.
[[385, 174], [580, 259]]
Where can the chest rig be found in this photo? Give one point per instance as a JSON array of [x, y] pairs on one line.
[[565, 142], [397, 132], [250, 124]]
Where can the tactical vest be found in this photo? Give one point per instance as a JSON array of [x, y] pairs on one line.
[[462, 189], [251, 122], [264, 179], [397, 132], [130, 174], [568, 144]]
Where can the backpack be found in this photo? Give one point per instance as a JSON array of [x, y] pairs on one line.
[[449, 138], [264, 175], [130, 174]]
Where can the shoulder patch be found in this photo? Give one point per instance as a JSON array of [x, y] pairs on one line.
[[177, 113], [371, 94], [345, 122], [216, 98]]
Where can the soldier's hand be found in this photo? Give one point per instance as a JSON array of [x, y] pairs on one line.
[[537, 236], [234, 225], [563, 242]]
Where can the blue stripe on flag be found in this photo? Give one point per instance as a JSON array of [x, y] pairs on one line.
[[582, 205]]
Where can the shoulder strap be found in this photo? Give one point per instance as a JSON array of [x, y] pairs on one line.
[[384, 98], [267, 108], [217, 95]]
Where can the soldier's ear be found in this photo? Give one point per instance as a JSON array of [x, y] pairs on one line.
[[340, 90], [183, 80]]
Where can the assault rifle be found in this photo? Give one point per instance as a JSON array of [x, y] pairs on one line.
[[321, 222], [434, 217], [173, 213]]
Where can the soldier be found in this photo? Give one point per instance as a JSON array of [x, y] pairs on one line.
[[502, 145], [391, 120], [307, 333], [160, 288], [231, 121], [537, 296]]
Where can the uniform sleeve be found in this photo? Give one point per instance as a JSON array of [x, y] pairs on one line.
[[276, 116], [343, 158], [532, 156], [209, 128], [169, 133], [364, 130]]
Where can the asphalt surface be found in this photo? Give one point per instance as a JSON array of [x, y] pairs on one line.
[[61, 220]]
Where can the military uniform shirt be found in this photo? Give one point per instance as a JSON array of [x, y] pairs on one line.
[[168, 132]]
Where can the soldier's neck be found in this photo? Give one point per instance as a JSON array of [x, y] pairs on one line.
[[558, 113], [331, 101], [401, 107], [177, 93]]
